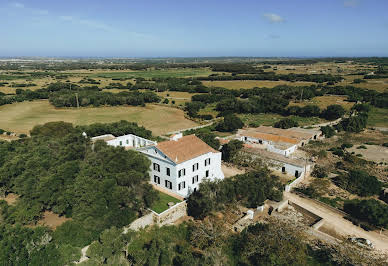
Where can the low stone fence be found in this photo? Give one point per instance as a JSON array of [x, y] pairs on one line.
[[169, 216]]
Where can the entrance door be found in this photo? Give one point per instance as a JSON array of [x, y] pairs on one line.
[[296, 173], [283, 169]]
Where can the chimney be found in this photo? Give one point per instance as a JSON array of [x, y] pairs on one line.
[[176, 137]]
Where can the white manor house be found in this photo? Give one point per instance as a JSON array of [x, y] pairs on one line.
[[178, 165]]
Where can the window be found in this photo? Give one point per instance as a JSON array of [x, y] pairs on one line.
[[167, 171], [207, 173], [245, 138], [121, 143], [181, 185], [207, 162], [156, 167], [127, 141], [182, 172], [156, 179], [168, 184], [195, 167], [195, 179], [260, 141]]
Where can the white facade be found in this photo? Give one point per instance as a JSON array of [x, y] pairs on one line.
[[285, 149], [192, 171], [180, 178], [130, 141]]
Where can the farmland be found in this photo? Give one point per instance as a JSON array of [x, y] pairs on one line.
[[22, 117], [249, 84]]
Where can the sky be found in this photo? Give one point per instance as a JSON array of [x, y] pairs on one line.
[[196, 28]]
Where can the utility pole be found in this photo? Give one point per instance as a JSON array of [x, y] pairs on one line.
[[76, 96]]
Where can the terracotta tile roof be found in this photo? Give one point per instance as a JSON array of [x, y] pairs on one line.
[[269, 137], [184, 149]]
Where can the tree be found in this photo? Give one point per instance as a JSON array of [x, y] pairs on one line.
[[328, 131], [230, 123], [230, 149], [209, 139], [359, 182], [333, 112], [286, 123], [266, 244]]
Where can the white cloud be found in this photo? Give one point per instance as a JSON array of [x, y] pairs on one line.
[[351, 3], [67, 18], [273, 18], [17, 5]]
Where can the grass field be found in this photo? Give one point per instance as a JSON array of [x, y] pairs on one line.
[[162, 204], [271, 119], [176, 73], [249, 84], [324, 101], [378, 117], [22, 117]]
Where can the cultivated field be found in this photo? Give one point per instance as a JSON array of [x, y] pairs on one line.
[[249, 84], [22, 117], [324, 101]]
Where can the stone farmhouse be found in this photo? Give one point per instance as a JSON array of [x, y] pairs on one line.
[[277, 140], [177, 165], [277, 147]]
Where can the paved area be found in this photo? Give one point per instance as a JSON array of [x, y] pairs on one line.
[[337, 222]]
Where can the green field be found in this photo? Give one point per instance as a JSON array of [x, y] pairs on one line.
[[22, 117], [173, 73], [378, 117], [271, 119], [162, 204]]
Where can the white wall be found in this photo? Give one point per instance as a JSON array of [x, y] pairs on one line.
[[130, 141], [214, 170]]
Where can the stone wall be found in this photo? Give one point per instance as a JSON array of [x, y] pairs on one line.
[[172, 214]]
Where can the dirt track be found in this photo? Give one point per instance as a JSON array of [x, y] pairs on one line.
[[337, 222]]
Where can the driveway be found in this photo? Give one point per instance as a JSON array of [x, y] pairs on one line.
[[337, 222]]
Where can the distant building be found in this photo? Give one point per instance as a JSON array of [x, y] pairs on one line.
[[277, 140], [178, 165], [277, 145]]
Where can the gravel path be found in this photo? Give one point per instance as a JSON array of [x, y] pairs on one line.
[[337, 222]]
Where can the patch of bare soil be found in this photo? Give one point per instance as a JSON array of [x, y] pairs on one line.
[[373, 153], [52, 220], [330, 231], [11, 198], [230, 170]]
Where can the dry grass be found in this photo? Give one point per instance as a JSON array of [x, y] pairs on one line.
[[22, 117], [249, 84], [52, 220], [324, 101]]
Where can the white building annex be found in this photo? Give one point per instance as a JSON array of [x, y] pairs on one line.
[[178, 165], [277, 147]]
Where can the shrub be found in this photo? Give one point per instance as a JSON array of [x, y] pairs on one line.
[[359, 182], [22, 136], [370, 210], [362, 147], [166, 101], [333, 112], [319, 171], [230, 123], [346, 146], [286, 123], [328, 131]]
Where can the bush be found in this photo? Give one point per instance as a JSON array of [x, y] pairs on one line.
[[2, 131], [230, 149], [22, 136], [359, 182], [230, 123], [319, 172], [370, 210], [333, 112], [346, 146], [362, 147], [166, 101], [328, 131], [286, 123]]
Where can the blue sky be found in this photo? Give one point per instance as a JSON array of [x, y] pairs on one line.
[[151, 28]]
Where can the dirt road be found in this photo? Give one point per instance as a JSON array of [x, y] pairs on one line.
[[337, 222]]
